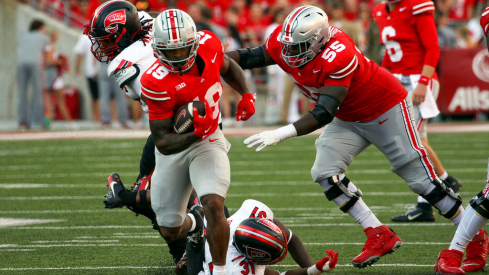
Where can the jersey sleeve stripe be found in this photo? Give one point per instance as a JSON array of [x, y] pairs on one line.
[[349, 69], [154, 92], [422, 5], [423, 10], [486, 12], [162, 96], [347, 66]]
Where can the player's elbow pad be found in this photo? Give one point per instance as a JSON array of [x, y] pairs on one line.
[[251, 58], [325, 110]]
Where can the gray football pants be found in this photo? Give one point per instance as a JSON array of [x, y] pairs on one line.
[[30, 112], [393, 133], [203, 166]]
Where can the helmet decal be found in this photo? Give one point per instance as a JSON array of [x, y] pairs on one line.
[[253, 253], [114, 18], [271, 225]]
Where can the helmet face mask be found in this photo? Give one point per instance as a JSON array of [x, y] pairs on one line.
[[260, 241], [305, 32], [113, 27], [175, 40]]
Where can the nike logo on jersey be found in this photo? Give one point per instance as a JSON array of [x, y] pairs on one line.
[[214, 59], [314, 71], [409, 217], [402, 9], [381, 122], [212, 140]]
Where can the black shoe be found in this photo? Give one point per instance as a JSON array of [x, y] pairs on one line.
[[453, 183], [422, 213], [112, 199], [196, 238]]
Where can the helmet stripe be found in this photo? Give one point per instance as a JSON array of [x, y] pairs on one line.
[[258, 237], [172, 20], [244, 227], [293, 17]]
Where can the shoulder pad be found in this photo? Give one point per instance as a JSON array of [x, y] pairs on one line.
[[485, 21], [274, 38], [125, 75], [422, 7]]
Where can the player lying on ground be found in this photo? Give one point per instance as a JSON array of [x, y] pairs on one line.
[[408, 32], [257, 241], [362, 104], [469, 234]]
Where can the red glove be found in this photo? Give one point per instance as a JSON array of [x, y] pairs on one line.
[[325, 264], [246, 107], [204, 126]]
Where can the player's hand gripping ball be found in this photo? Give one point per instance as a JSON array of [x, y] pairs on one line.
[[183, 121]]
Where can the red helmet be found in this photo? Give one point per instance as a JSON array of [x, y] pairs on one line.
[[113, 27], [260, 241]]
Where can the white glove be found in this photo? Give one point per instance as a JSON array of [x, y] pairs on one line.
[[263, 139], [266, 138]]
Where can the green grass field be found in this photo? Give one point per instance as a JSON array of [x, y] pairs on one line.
[[62, 183]]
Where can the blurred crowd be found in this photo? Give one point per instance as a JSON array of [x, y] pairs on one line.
[[247, 23]]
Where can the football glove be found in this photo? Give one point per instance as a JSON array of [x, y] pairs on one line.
[[204, 126], [246, 107], [325, 264], [267, 138]]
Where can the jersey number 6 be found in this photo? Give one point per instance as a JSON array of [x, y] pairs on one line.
[[393, 48]]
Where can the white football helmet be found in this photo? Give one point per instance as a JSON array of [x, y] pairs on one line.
[[304, 34], [172, 30]]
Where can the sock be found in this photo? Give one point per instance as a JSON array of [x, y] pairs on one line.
[[470, 224], [422, 200], [445, 204], [360, 211], [444, 176], [177, 249], [219, 270], [128, 197]]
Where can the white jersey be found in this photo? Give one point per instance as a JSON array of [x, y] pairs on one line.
[[139, 53], [236, 264]]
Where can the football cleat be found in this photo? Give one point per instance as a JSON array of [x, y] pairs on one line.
[[381, 240], [181, 268], [142, 184], [421, 213], [453, 183], [476, 257], [112, 199], [448, 262], [196, 238]]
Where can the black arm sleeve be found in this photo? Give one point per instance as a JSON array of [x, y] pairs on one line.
[[251, 58], [325, 110]]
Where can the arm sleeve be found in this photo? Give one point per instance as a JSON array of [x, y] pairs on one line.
[[425, 26]]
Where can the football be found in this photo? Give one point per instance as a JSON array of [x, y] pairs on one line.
[[183, 121]]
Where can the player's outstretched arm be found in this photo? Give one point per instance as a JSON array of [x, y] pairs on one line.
[[326, 264], [252, 58], [168, 142], [327, 105], [235, 77], [295, 246]]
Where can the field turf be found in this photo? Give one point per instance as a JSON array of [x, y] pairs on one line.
[[61, 184]]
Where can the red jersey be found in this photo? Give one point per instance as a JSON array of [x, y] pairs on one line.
[[165, 91], [409, 35], [485, 21], [372, 90]]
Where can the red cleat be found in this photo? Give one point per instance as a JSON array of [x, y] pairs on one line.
[[476, 257], [380, 241], [448, 262]]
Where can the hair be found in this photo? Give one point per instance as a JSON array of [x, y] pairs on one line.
[[206, 13], [36, 25]]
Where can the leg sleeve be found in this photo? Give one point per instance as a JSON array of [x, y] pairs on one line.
[[147, 162]]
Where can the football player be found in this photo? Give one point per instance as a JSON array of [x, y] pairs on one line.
[[469, 234], [362, 104], [408, 32], [121, 36], [258, 241], [189, 67]]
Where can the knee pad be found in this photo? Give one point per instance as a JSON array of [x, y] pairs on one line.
[[438, 193], [481, 206], [339, 187]]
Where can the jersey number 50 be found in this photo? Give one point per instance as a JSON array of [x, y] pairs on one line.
[[393, 48]]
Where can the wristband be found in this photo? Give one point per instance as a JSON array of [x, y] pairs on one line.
[[424, 80], [313, 270], [286, 132]]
